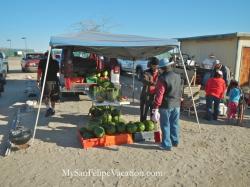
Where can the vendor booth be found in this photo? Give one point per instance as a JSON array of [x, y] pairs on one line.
[[128, 47]]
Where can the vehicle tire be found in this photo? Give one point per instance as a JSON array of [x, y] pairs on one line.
[[139, 73]]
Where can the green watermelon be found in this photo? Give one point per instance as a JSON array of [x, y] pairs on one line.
[[99, 132], [82, 130], [131, 127], [116, 119], [140, 126], [106, 118], [121, 127], [110, 129], [149, 125], [87, 135]]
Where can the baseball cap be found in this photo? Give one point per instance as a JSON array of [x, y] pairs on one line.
[[217, 62], [219, 72], [165, 62]]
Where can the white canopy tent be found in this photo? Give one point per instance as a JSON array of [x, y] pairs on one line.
[[114, 46]]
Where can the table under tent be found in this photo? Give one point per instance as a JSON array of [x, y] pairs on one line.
[[127, 47]]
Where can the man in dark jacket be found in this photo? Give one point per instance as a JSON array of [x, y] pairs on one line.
[[225, 70], [167, 102], [149, 79], [51, 90]]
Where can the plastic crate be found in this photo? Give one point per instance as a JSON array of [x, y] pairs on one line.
[[69, 80], [106, 140], [147, 136]]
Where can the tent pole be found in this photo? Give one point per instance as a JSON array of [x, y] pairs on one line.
[[133, 93], [41, 97], [189, 85]]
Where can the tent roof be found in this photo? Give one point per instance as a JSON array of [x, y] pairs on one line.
[[114, 45]]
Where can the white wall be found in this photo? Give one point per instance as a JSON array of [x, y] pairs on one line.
[[224, 49]]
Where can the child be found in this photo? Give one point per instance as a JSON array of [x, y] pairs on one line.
[[234, 97]]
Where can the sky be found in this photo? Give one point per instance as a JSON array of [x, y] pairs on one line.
[[38, 20]]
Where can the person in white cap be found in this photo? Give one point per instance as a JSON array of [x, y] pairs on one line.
[[225, 71], [207, 65], [215, 90], [167, 104]]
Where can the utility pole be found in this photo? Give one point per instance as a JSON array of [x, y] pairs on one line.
[[9, 40], [25, 43]]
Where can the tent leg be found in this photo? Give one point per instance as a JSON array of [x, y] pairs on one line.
[[40, 102], [184, 66], [133, 93]]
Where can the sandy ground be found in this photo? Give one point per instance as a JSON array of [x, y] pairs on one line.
[[218, 156]]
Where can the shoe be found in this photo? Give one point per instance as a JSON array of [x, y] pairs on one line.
[[175, 145], [164, 148], [49, 112]]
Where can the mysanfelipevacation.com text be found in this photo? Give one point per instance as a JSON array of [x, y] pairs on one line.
[[109, 173]]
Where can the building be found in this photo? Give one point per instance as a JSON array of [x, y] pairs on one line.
[[231, 49]]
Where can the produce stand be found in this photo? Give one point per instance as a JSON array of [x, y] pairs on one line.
[[127, 47]]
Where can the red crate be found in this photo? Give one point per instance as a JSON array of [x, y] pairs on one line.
[[107, 140]]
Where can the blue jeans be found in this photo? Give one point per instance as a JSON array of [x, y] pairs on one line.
[[169, 122], [209, 102]]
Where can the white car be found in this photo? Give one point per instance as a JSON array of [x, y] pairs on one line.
[[139, 66]]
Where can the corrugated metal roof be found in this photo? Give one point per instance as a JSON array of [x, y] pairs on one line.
[[217, 36]]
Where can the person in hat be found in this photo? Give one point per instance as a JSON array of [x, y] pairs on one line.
[[51, 90], [167, 104], [207, 65], [215, 90], [225, 71], [149, 79]]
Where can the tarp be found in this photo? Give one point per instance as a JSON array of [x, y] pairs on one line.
[[115, 45]]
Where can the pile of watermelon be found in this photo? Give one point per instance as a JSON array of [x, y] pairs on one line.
[[111, 123]]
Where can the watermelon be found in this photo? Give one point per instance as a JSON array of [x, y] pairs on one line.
[[106, 118], [82, 130], [116, 119], [149, 125], [131, 127], [87, 135], [140, 126], [99, 132], [121, 127], [110, 129]]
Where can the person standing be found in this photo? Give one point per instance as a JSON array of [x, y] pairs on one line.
[[234, 98], [51, 90], [167, 103], [225, 71], [207, 65], [215, 90], [149, 79]]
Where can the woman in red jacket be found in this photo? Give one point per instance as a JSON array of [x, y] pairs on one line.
[[215, 89]]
